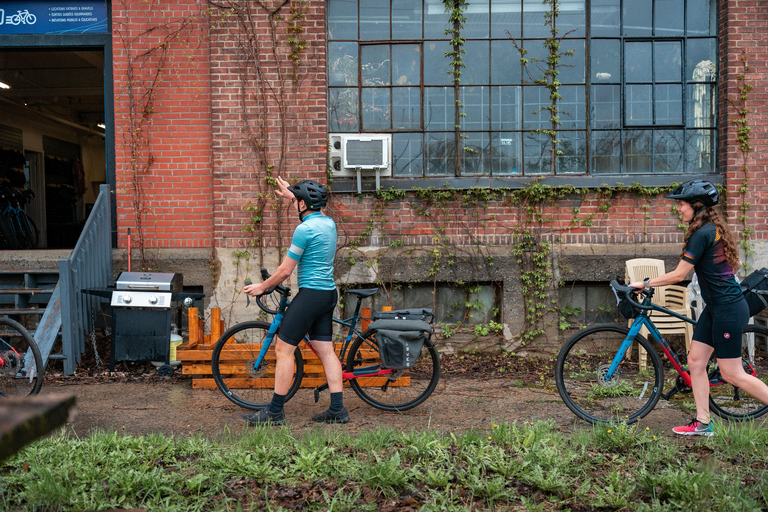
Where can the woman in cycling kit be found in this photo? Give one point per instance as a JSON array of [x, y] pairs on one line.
[[313, 249], [710, 249]]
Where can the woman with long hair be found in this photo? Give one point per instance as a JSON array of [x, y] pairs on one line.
[[710, 250]]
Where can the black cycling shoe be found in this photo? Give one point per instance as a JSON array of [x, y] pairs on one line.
[[265, 417], [332, 417]]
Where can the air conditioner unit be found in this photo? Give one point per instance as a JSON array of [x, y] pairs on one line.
[[353, 155]]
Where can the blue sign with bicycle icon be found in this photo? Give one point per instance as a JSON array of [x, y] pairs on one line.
[[53, 17]]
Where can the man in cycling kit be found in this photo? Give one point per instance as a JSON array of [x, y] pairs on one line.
[[313, 249]]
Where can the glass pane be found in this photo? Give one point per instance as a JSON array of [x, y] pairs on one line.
[[572, 158], [476, 154], [374, 19], [701, 106], [440, 154], [505, 63], [505, 153], [505, 17], [637, 108], [534, 115], [342, 64], [406, 62], [538, 153], [605, 106], [637, 152], [406, 19], [477, 60], [533, 19], [668, 18], [477, 24], [701, 60], [476, 108], [436, 64], [605, 18], [572, 106], [439, 108], [375, 64], [435, 20], [669, 156], [407, 154], [700, 151], [669, 104], [572, 68], [572, 18], [406, 108], [638, 62], [701, 16], [606, 60], [636, 17], [343, 110], [667, 61], [342, 19], [606, 152], [377, 107], [505, 108]]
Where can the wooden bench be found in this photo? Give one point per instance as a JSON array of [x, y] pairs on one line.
[[26, 419]]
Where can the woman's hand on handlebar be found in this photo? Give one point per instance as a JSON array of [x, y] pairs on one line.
[[255, 289]]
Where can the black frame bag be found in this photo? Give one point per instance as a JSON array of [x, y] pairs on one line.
[[755, 290], [400, 342]]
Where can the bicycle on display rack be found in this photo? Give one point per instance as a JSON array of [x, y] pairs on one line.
[[17, 230], [21, 365], [599, 380], [243, 364]]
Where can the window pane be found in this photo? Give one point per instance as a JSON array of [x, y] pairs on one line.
[[477, 24], [440, 154], [573, 146], [375, 64], [667, 61], [606, 60], [374, 19], [476, 154], [343, 110], [605, 18], [435, 20], [606, 152], [342, 19], [406, 19], [701, 18], [407, 154], [572, 106], [637, 109], [476, 105], [605, 106], [538, 154], [636, 17], [505, 108], [701, 60], [701, 106], [377, 111], [505, 63], [406, 108], [638, 62], [505, 17], [572, 68], [439, 108], [476, 61], [668, 148], [342, 64], [406, 62], [669, 104], [534, 115], [572, 18], [637, 151], [505, 153], [533, 19], [668, 18], [700, 151], [436, 64]]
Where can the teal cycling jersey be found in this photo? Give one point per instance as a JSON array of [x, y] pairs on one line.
[[313, 246]]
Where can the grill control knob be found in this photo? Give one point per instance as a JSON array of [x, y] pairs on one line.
[[153, 299], [127, 298]]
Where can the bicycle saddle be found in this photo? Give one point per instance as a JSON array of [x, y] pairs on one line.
[[364, 293]]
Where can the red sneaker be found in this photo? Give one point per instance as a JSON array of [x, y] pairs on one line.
[[695, 428]]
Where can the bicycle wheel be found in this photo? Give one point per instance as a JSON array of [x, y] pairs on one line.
[[580, 376], [21, 237], [22, 369], [7, 238], [399, 391], [730, 402], [30, 230], [233, 364]]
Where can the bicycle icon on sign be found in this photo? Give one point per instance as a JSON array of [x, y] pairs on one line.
[[21, 18]]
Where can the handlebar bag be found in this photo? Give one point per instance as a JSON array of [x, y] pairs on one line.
[[423, 314], [400, 342], [755, 290]]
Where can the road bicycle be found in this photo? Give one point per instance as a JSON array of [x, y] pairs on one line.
[[600, 377], [243, 361], [21, 365], [17, 230]]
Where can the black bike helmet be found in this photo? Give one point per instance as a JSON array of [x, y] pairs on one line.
[[314, 194], [696, 190]]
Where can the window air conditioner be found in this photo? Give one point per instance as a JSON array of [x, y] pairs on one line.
[[354, 154]]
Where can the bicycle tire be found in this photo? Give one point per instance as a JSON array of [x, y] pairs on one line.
[[403, 390], [732, 403], [30, 230], [579, 374], [232, 365], [7, 236], [23, 371]]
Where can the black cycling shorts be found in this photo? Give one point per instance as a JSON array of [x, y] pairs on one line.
[[721, 327], [310, 312]]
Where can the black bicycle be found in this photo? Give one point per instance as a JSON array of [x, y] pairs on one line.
[[17, 229]]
